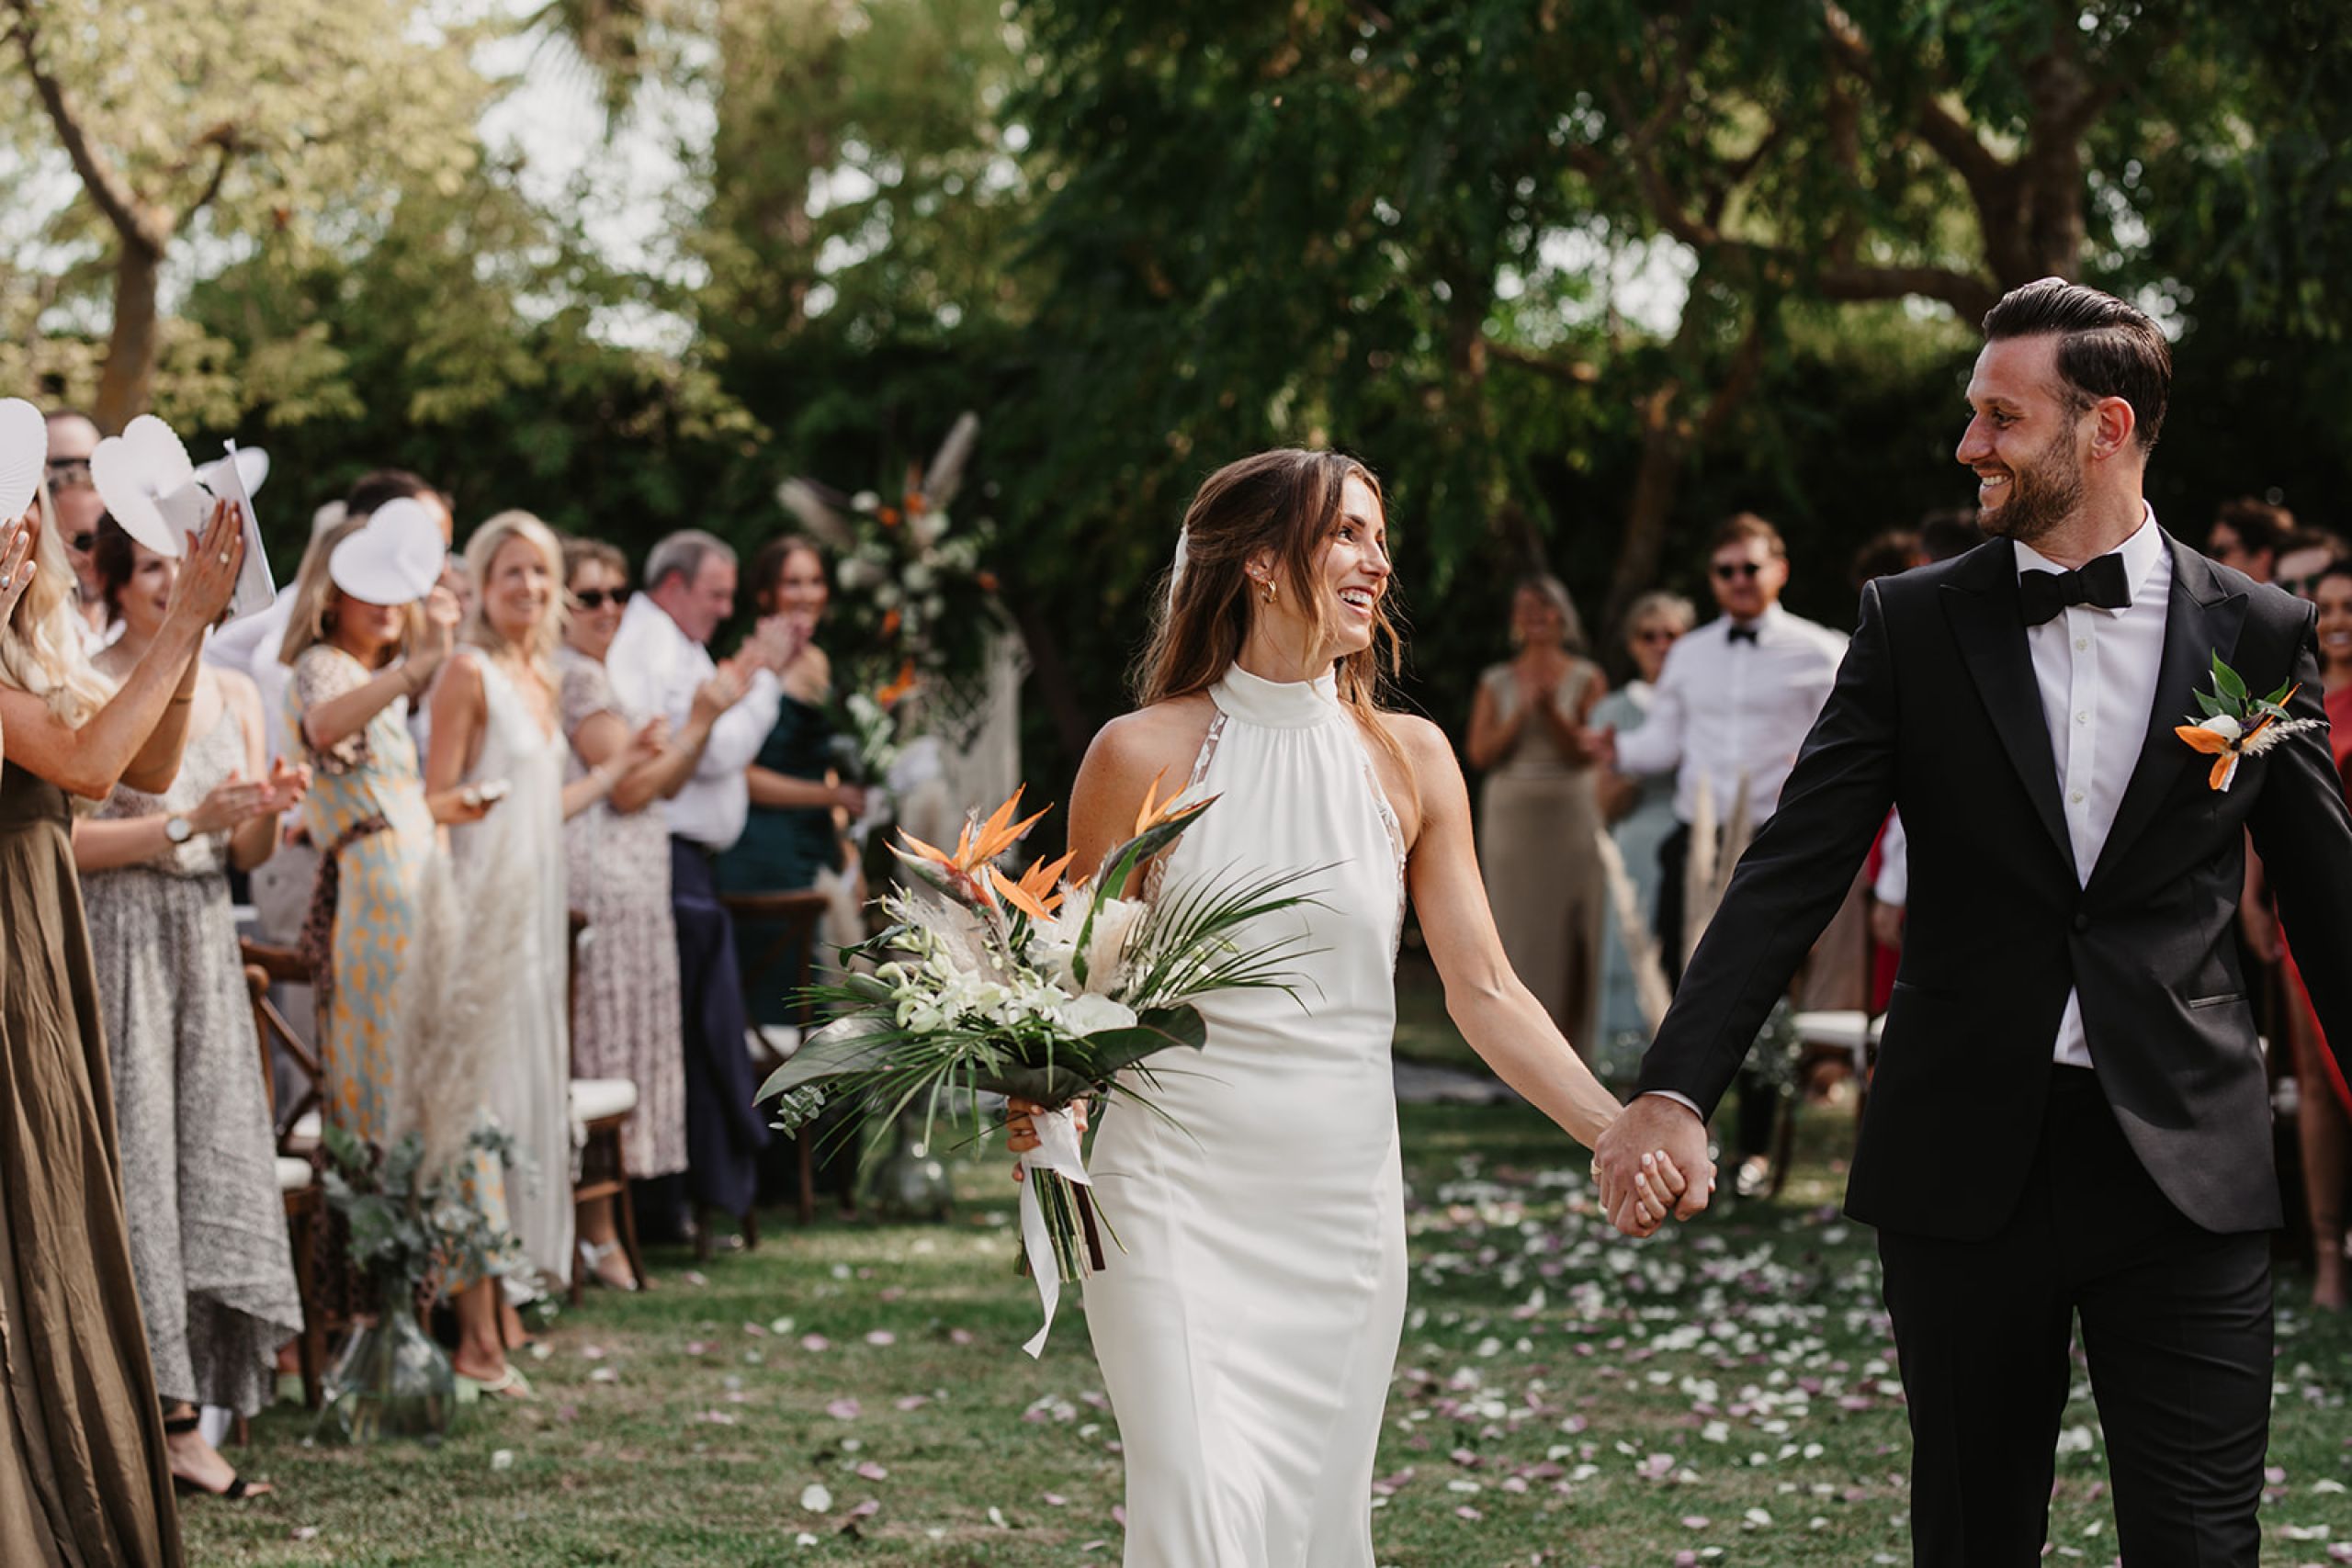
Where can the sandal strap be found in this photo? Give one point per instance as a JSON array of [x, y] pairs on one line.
[[180, 1425]]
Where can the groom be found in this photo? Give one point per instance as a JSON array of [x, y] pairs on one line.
[[2069, 1120]]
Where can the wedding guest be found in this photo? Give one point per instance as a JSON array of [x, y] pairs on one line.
[[2303, 554], [279, 886], [792, 829], [84, 1467], [2248, 534], [367, 636], [74, 511], [2322, 1104], [1538, 816], [199, 1175], [1887, 551], [626, 1016], [497, 723], [1640, 811], [1734, 703], [370, 491], [1948, 531], [658, 661]]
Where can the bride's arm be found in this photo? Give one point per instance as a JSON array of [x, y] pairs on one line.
[[1498, 1015]]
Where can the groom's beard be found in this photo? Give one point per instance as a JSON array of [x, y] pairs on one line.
[[2041, 495]]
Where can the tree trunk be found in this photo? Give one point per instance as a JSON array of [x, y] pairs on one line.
[[1657, 481], [126, 384]]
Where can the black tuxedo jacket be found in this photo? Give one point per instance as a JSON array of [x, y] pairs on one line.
[[1937, 710]]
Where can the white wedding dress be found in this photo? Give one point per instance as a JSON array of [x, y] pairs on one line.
[[511, 887], [1248, 1333]]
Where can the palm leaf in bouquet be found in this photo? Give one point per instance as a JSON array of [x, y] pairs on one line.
[[1039, 990]]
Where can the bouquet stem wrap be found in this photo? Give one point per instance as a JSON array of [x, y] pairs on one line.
[[1053, 1219]]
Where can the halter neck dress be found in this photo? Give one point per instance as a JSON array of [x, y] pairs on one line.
[[1248, 1333]]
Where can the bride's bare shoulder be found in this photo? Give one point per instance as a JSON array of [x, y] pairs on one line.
[[1164, 736]]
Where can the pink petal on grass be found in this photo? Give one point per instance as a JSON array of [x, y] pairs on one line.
[[881, 1336], [842, 1409], [873, 1472], [911, 1401], [959, 1336], [814, 1342]]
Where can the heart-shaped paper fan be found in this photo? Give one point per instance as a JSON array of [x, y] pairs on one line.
[[252, 467], [394, 559], [24, 447], [149, 485]]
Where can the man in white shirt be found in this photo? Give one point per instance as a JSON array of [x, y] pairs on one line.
[[2070, 1120], [1734, 703], [658, 659]]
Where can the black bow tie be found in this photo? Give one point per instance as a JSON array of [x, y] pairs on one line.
[[2041, 595], [1746, 635]]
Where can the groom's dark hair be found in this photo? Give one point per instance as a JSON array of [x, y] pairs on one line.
[[2106, 348]]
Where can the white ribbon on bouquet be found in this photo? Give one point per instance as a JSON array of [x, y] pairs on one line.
[[1057, 1150]]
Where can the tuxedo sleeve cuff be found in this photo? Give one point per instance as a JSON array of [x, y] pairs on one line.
[[1682, 1099]]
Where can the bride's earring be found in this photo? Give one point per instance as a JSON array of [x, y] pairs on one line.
[[1268, 586]]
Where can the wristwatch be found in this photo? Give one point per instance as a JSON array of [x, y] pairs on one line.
[[178, 830]]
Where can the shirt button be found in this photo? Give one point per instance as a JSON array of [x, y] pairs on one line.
[[2082, 718], [2081, 643], [2076, 798], [2082, 923]]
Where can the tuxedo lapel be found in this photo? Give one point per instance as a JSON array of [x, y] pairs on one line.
[[2201, 619], [1981, 602]]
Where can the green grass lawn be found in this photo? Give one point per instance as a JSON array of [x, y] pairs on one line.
[[855, 1393]]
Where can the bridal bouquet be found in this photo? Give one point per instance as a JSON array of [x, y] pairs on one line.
[[1038, 989]]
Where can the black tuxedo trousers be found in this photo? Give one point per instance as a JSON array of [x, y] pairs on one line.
[[2012, 1196]]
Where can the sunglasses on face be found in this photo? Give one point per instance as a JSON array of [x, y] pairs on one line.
[[69, 473], [1727, 571], [595, 598], [2304, 587], [83, 542]]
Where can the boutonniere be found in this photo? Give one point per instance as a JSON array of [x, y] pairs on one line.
[[2237, 724]]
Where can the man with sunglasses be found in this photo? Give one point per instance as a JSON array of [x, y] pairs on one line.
[[75, 510], [1734, 704]]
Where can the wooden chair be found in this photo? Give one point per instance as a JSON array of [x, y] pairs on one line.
[[797, 915], [297, 1175], [601, 1107]]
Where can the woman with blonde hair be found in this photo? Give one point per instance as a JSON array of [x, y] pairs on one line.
[[370, 629], [1248, 1330], [497, 728], [85, 1475]]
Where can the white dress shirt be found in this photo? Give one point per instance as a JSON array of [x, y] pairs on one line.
[[654, 669], [1894, 882], [250, 646], [1726, 710], [2098, 673]]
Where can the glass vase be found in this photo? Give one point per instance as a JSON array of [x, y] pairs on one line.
[[392, 1380]]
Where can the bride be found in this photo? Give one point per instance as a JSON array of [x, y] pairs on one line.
[[1248, 1333]]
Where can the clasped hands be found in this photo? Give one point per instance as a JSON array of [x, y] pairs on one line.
[[1651, 1162]]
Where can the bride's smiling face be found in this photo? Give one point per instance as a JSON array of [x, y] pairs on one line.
[[1350, 573]]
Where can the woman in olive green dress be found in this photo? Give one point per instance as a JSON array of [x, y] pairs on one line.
[[83, 1473]]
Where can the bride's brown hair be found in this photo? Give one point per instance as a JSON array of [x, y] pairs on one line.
[[1288, 503]]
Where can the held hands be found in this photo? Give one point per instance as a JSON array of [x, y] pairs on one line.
[[209, 567], [468, 803], [1021, 1127], [16, 567], [850, 798], [1652, 1160]]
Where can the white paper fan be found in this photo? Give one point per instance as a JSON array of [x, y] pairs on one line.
[[149, 485], [394, 559], [24, 448], [253, 469]]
